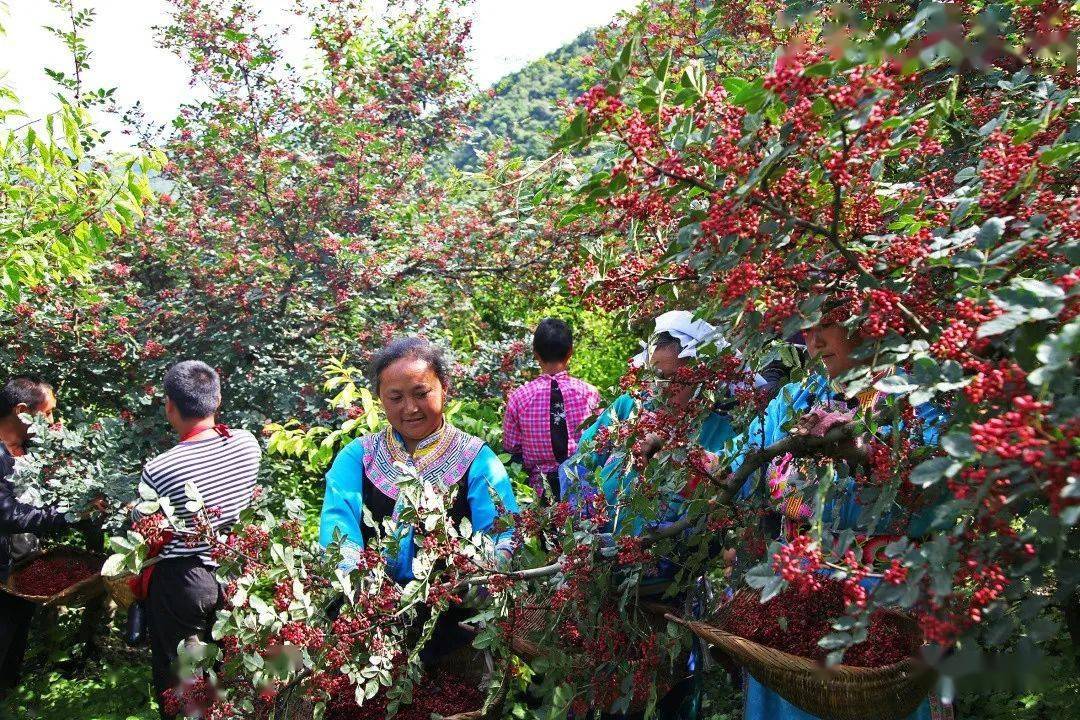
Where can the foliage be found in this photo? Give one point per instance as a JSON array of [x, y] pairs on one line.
[[906, 173], [920, 193], [69, 468], [522, 112], [116, 690], [62, 203], [287, 232], [303, 621]]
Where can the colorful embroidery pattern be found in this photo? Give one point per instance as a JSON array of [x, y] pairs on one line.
[[443, 458]]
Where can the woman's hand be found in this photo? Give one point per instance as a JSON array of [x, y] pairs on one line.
[[646, 448], [97, 506]]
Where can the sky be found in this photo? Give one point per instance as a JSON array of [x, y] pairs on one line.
[[506, 35]]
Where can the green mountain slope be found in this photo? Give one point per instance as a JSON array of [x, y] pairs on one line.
[[523, 111]]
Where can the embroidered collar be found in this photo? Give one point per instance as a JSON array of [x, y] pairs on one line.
[[428, 450], [442, 458]]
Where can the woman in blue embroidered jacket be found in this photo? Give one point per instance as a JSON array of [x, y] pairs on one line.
[[822, 408], [411, 380]]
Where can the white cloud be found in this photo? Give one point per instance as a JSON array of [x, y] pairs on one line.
[[506, 35]]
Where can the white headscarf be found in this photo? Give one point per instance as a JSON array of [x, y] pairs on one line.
[[691, 334]]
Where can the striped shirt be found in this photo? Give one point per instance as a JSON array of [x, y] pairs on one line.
[[223, 469]]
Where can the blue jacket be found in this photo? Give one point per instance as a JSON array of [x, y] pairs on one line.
[[616, 475], [343, 505], [797, 397]]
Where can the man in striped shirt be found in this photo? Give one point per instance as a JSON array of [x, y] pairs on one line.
[[223, 465]]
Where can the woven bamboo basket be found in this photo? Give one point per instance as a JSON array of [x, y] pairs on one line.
[[465, 661], [534, 622], [841, 692], [75, 595], [119, 590]]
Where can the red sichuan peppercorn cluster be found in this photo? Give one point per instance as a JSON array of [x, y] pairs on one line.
[[794, 622], [47, 576], [442, 694]]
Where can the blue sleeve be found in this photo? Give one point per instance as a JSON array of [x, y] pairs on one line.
[[485, 474], [932, 421], [343, 502], [768, 428], [618, 410], [573, 471]]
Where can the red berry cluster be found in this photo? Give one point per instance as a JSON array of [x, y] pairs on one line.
[[883, 314], [632, 551], [441, 694], [302, 635], [1014, 434], [156, 532], [798, 563], [599, 104], [47, 576], [1003, 165], [794, 622]]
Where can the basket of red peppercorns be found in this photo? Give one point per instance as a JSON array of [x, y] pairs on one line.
[[881, 678], [60, 576], [530, 622], [452, 689]]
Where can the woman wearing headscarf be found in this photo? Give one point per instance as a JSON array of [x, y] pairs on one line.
[[819, 405], [673, 345], [411, 379]]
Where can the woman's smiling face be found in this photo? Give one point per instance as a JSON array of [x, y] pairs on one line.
[[413, 397]]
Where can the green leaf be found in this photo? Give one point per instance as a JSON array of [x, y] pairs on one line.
[[1005, 252], [574, 132], [1039, 288], [1002, 323], [734, 84], [1060, 155], [664, 66], [931, 471], [752, 96], [895, 385], [990, 233], [958, 445], [695, 79], [835, 641]]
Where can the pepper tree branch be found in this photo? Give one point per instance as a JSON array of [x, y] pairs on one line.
[[836, 443], [833, 237]]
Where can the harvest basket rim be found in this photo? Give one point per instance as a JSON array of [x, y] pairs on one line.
[[798, 662], [839, 692], [81, 590]]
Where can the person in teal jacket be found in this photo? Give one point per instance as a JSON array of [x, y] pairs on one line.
[[410, 377], [673, 344], [817, 399]]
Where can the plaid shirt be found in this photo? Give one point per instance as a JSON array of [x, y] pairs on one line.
[[527, 425]]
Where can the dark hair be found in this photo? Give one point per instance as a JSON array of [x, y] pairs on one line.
[[194, 387], [667, 340], [23, 390], [553, 340], [409, 347]]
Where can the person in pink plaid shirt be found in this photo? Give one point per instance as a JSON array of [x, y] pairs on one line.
[[544, 416]]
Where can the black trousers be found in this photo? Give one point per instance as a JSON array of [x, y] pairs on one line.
[[183, 597], [15, 617]]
